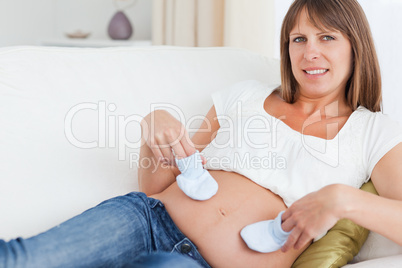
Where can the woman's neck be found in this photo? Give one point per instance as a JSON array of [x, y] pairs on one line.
[[330, 106]]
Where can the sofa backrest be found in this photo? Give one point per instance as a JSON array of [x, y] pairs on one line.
[[69, 120]]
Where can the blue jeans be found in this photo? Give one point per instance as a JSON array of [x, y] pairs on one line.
[[124, 231]]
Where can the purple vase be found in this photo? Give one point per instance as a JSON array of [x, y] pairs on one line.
[[120, 27]]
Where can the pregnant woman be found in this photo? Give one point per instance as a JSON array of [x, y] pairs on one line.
[[320, 130], [304, 147]]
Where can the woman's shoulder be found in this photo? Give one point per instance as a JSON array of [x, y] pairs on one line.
[[377, 133], [378, 118], [376, 125], [250, 86], [245, 91]]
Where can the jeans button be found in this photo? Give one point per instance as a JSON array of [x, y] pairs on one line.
[[185, 248]]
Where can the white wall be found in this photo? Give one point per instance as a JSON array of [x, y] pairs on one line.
[[385, 21], [25, 22], [250, 24]]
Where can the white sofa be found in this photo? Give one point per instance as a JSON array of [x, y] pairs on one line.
[[69, 124]]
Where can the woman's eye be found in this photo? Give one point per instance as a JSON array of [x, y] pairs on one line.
[[328, 38], [299, 39]]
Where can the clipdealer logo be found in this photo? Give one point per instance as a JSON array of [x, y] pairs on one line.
[[236, 131]]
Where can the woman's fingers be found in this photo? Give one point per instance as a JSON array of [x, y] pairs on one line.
[[302, 241], [292, 239], [155, 149], [189, 147], [185, 147], [178, 151], [168, 157], [298, 237], [161, 150], [309, 217], [287, 222], [168, 138], [178, 147], [187, 144], [204, 160]]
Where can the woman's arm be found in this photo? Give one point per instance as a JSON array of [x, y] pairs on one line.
[[317, 212], [381, 214], [161, 133]]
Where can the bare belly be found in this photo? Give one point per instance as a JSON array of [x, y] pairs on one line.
[[214, 225]]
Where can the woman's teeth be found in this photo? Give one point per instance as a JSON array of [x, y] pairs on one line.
[[317, 71]]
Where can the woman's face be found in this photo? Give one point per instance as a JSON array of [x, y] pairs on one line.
[[321, 60]]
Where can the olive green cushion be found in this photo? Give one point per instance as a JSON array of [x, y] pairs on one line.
[[338, 246]]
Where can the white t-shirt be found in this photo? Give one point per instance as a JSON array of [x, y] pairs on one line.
[[267, 151]]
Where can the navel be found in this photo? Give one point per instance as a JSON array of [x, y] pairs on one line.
[[222, 212]]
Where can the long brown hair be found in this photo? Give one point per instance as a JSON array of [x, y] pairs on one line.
[[347, 16]]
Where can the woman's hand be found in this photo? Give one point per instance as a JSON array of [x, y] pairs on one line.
[[312, 216], [166, 137]]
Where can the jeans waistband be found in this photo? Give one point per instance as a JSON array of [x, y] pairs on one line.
[[184, 245]]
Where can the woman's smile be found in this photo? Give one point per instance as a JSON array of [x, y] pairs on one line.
[[315, 73]]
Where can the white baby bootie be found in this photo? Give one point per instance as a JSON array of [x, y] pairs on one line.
[[265, 236], [194, 180]]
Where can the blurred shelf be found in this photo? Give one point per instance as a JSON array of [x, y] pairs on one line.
[[65, 42]]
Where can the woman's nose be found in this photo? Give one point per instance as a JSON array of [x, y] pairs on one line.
[[312, 52]]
